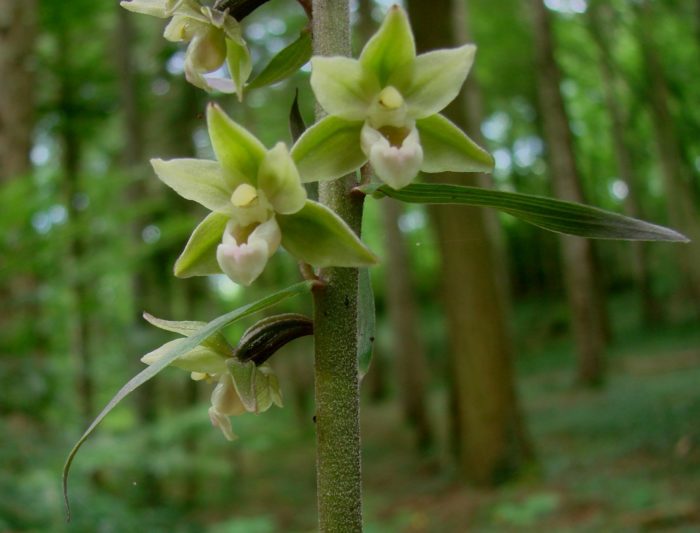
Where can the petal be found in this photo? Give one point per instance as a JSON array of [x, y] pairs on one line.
[[447, 148], [328, 150], [391, 50], [242, 377], [199, 256], [279, 180], [395, 166], [225, 398], [316, 235], [341, 87], [437, 79], [207, 50], [244, 262], [222, 422], [238, 151], [199, 180], [270, 233]]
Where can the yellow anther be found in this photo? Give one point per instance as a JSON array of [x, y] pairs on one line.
[[390, 98], [244, 195]]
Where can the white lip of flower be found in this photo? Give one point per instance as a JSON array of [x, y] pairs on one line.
[[224, 403], [245, 250]]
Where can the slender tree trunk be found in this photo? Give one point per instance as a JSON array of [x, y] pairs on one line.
[[17, 33], [407, 341], [683, 212], [597, 18], [339, 481], [491, 439], [582, 278]]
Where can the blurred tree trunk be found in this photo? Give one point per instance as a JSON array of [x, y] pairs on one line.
[[407, 341], [683, 213], [17, 35], [491, 440], [77, 203], [582, 275], [148, 290], [599, 20]]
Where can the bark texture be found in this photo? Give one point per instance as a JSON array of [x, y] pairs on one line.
[[582, 277], [17, 34], [491, 442]]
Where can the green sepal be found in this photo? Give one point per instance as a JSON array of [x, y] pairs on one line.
[[199, 256], [319, 237], [437, 78], [288, 61], [239, 65], [555, 215], [199, 359], [391, 49], [243, 375], [237, 150], [199, 180], [216, 342], [447, 148], [328, 150]]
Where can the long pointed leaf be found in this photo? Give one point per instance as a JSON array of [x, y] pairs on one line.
[[183, 346], [554, 215]]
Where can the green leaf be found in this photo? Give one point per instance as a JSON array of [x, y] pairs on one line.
[[437, 79], [328, 150], [366, 325], [446, 148], [286, 62], [178, 349], [239, 65], [342, 87], [199, 180], [216, 342], [199, 256], [390, 49], [319, 237], [199, 359], [555, 215], [237, 150]]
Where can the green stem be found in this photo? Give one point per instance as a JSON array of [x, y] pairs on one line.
[[339, 482]]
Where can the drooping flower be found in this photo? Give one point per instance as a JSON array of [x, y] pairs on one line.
[[214, 38], [383, 107], [257, 203], [242, 387]]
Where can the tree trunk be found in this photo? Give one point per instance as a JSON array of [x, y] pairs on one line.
[[679, 194], [407, 341], [598, 18], [491, 440], [582, 277], [17, 33]]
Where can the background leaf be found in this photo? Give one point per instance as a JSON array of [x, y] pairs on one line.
[[555, 215]]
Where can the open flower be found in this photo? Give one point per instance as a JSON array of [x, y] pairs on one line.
[[214, 37], [242, 387], [384, 108], [257, 203]]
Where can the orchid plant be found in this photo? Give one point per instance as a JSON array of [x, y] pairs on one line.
[[381, 114]]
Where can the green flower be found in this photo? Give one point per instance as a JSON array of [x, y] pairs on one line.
[[384, 108], [240, 387], [214, 38], [257, 203]]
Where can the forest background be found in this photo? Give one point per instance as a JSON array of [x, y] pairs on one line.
[[520, 380]]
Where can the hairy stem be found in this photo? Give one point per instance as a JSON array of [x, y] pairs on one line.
[[339, 484]]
